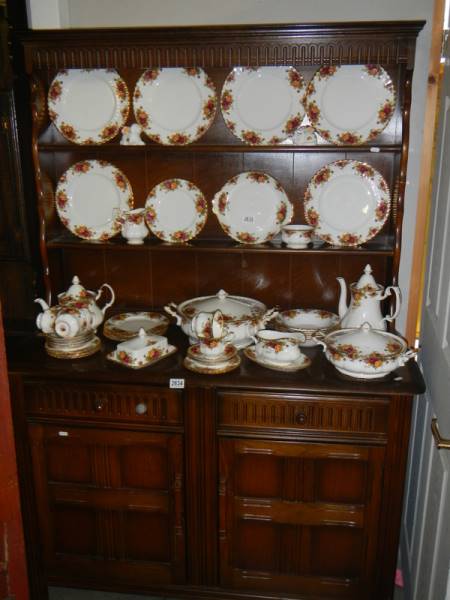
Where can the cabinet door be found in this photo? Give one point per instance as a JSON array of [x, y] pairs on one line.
[[300, 518], [109, 504]]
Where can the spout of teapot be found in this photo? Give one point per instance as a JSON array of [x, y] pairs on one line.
[[342, 307], [43, 303]]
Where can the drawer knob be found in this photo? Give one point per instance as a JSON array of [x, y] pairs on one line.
[[300, 418], [141, 408], [99, 405]]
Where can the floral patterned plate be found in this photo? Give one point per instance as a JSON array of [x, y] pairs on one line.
[[175, 106], [252, 207], [347, 202], [127, 325], [262, 105], [350, 104], [88, 106], [176, 210], [90, 197]]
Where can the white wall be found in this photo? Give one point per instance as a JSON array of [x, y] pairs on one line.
[[115, 13]]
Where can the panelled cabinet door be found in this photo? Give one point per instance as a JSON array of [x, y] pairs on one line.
[[299, 518], [109, 504]]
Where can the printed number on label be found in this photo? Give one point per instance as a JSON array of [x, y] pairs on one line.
[[177, 384]]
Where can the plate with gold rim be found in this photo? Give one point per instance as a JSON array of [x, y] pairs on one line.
[[263, 105], [350, 104], [90, 198], [176, 210], [175, 106], [347, 202], [296, 365], [212, 369], [125, 326], [88, 106], [252, 207]]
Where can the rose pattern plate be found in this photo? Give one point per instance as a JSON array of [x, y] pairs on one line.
[[175, 106], [90, 198], [347, 202], [125, 326], [350, 104], [263, 105], [88, 106], [252, 207], [176, 210]]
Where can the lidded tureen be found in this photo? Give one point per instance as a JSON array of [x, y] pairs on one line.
[[364, 352], [242, 316], [365, 304]]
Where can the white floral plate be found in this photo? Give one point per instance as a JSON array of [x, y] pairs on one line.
[[347, 202], [176, 210], [175, 106], [125, 326], [252, 207], [262, 105], [350, 104], [88, 106], [90, 197]]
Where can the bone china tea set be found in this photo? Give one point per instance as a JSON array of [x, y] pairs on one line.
[[355, 341]]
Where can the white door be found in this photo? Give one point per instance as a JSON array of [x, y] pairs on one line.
[[425, 537]]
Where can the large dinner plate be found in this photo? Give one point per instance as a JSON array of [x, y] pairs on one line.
[[262, 105], [347, 202], [90, 197], [176, 210], [350, 104], [252, 207], [174, 106], [88, 106]]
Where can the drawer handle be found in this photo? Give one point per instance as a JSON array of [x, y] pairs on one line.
[[99, 405], [141, 408], [301, 418]]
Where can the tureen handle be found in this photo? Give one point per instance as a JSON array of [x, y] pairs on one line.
[[398, 301], [111, 291], [171, 309], [269, 314], [403, 359]]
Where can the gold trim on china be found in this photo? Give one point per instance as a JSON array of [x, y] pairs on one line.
[[230, 365], [112, 357]]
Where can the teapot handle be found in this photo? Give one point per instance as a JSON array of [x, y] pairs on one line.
[[111, 291], [398, 301]]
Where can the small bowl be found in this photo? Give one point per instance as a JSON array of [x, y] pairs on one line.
[[297, 236], [312, 322]]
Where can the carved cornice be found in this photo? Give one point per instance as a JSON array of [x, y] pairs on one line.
[[388, 43]]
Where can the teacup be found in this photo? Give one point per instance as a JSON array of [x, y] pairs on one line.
[[297, 236], [211, 348], [73, 321], [134, 228], [278, 346], [207, 325]]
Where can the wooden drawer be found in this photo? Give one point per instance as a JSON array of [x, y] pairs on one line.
[[159, 406], [293, 413]]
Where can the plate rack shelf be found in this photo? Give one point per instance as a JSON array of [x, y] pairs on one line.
[[249, 485]]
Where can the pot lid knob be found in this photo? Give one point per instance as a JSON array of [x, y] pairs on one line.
[[367, 279], [76, 289]]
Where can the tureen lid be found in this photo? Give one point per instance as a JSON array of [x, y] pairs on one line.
[[232, 307], [367, 279], [364, 341]]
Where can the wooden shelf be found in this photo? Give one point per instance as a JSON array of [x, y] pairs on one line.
[[381, 245]]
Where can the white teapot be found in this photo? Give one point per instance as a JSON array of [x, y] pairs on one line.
[[79, 297], [366, 296]]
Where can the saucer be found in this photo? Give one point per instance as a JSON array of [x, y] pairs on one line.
[[87, 349], [212, 368], [295, 365], [195, 353], [141, 364]]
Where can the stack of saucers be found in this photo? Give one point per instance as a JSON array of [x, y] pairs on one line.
[[78, 346]]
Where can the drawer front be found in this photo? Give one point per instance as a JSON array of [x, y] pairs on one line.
[[153, 405], [309, 414]]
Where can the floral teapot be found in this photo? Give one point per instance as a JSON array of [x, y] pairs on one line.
[[366, 297], [77, 311]]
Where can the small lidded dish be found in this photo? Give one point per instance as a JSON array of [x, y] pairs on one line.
[[141, 350]]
